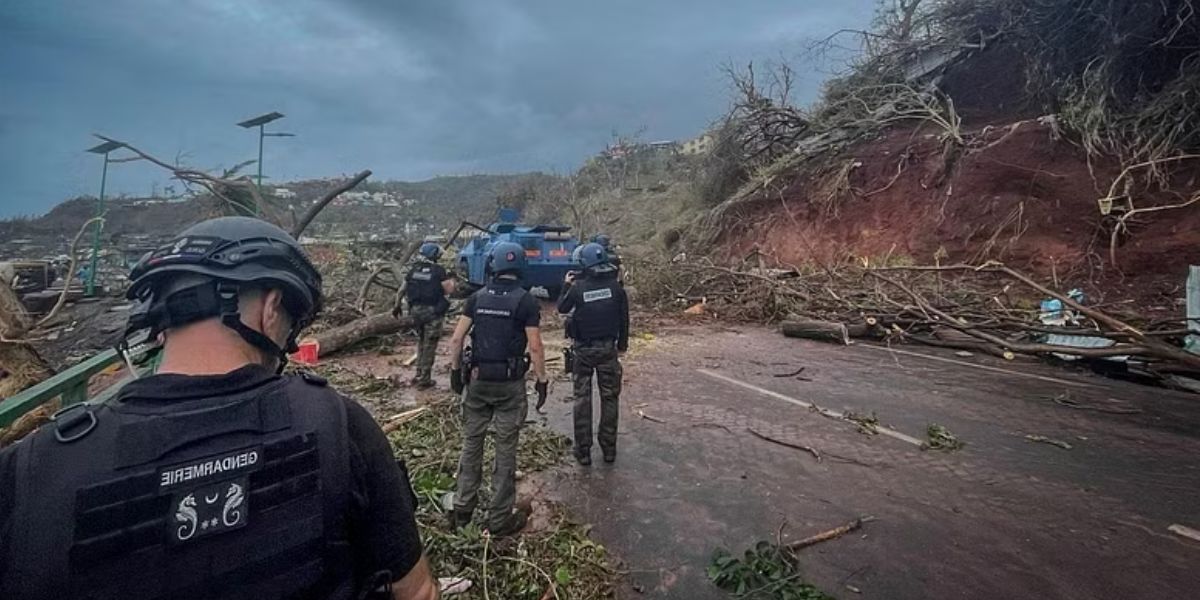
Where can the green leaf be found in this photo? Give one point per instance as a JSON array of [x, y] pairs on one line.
[[562, 575]]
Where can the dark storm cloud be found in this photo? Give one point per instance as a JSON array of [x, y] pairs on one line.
[[408, 89]]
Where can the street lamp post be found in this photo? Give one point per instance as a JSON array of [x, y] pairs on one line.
[[103, 149], [261, 123]]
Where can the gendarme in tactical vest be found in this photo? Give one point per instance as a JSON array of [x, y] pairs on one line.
[[242, 495], [497, 338], [598, 313], [424, 286]]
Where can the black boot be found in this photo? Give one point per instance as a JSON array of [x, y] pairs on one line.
[[458, 519], [584, 457], [516, 522], [610, 455]]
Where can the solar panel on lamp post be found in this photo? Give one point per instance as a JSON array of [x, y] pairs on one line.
[[102, 149], [260, 122]]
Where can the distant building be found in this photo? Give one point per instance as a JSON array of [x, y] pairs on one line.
[[284, 193], [699, 145]]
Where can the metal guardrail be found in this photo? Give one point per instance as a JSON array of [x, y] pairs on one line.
[[71, 385]]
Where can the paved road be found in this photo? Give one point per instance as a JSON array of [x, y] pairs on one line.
[[1002, 518]]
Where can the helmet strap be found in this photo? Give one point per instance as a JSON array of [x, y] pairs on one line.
[[231, 317]]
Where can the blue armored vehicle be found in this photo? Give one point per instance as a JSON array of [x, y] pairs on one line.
[[548, 251]]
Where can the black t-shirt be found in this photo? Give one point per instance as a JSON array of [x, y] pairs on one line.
[[382, 526]]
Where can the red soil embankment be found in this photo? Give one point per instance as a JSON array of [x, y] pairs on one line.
[[1018, 195]]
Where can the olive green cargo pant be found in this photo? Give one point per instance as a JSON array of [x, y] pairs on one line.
[[429, 331], [602, 359], [502, 405]]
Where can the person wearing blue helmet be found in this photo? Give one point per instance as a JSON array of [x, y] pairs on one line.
[[502, 320], [426, 286], [614, 259], [599, 328]]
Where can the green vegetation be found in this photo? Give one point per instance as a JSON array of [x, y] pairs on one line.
[[765, 571], [940, 438], [554, 557]]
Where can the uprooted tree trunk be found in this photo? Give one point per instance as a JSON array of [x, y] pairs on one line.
[[339, 338], [20, 365], [825, 331]]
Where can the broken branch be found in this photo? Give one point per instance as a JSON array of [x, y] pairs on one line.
[[825, 536], [768, 438]]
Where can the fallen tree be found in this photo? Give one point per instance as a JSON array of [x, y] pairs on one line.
[[978, 308], [339, 338]]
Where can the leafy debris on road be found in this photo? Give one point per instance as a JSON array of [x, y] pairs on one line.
[[868, 423], [1045, 440], [940, 438], [766, 571]]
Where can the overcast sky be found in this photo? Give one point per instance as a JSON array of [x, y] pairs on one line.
[[409, 89]]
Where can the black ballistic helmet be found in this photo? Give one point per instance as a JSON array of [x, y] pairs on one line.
[[228, 254]]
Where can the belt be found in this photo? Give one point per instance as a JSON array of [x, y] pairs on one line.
[[597, 341]]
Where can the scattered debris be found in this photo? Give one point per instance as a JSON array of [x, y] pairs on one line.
[[554, 552], [641, 413], [452, 586], [816, 330], [1185, 531], [707, 425], [333, 340], [867, 423], [1065, 399], [982, 309], [792, 374], [394, 422], [940, 438], [1045, 440], [765, 571], [830, 534], [809, 449]]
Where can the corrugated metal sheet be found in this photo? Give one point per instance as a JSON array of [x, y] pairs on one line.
[[1080, 341]]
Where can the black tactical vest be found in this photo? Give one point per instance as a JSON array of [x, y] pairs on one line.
[[424, 286], [497, 337], [240, 496], [597, 310]]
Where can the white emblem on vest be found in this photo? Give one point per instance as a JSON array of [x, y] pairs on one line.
[[231, 514], [493, 312], [186, 514], [594, 295], [422, 276]]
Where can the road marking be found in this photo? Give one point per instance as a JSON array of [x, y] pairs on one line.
[[962, 363], [892, 433]]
